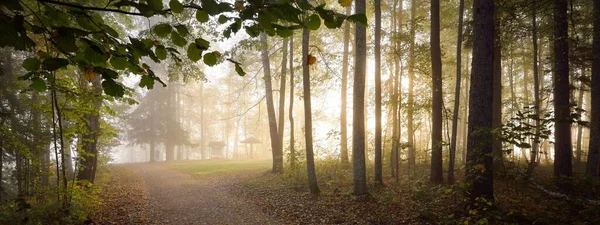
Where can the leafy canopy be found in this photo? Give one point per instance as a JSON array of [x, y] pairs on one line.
[[75, 34]]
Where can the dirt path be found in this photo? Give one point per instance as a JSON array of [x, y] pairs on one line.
[[177, 198]]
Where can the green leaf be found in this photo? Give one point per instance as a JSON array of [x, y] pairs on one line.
[[161, 52], [107, 73], [284, 32], [112, 88], [38, 84], [110, 30], [201, 16], [182, 30], [177, 39], [31, 64], [211, 7], [162, 29], [93, 57], [223, 19], [239, 70], [265, 20], [193, 52], [210, 59], [176, 6], [52, 64], [202, 44], [314, 22], [118, 62], [155, 4], [358, 18], [147, 82]]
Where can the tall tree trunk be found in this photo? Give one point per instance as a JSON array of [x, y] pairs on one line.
[[479, 159], [68, 158], [563, 150], [411, 84], [579, 126], [358, 116], [378, 148], [466, 111], [396, 101], [343, 116], [592, 168], [436, 95], [291, 111], [88, 159], [310, 161], [279, 153], [497, 104], [275, 146], [535, 149], [461, 9]]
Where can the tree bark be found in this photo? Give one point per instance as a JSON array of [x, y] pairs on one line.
[[436, 95], [535, 149], [310, 161], [461, 7], [378, 148], [497, 104], [281, 116], [343, 116], [411, 84], [291, 111], [358, 116], [275, 146], [579, 126], [563, 150], [479, 159], [88, 159], [592, 168]]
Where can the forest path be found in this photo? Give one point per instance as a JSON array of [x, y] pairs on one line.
[[175, 197]]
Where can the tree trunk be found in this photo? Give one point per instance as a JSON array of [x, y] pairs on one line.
[[378, 148], [436, 95], [411, 84], [479, 159], [273, 133], [291, 111], [579, 126], [466, 111], [88, 159], [563, 150], [69, 158], [592, 168], [497, 105], [281, 117], [343, 116], [310, 161], [358, 115], [461, 7], [535, 149]]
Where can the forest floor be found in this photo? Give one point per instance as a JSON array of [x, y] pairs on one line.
[[159, 194], [245, 192]]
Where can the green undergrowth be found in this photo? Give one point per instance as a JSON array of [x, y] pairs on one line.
[[43, 206]]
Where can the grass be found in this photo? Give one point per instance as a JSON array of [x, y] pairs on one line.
[[212, 167]]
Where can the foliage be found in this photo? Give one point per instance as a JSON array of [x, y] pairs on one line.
[[76, 34]]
